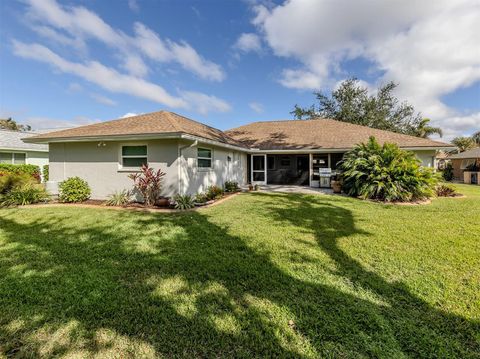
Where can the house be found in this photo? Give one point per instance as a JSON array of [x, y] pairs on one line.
[[15, 151], [466, 166], [195, 156]]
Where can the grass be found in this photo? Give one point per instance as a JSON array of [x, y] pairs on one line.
[[270, 275]]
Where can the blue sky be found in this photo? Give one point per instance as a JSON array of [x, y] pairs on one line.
[[227, 63]]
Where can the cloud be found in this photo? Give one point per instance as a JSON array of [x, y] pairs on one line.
[[429, 48], [133, 5], [74, 25], [74, 87], [248, 42], [257, 107], [129, 114], [113, 81], [46, 123], [103, 100]]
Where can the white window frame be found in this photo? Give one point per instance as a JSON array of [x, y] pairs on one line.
[[12, 156], [205, 158], [121, 167]]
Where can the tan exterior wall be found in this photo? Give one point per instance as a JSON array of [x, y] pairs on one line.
[[457, 171], [427, 157], [100, 165]]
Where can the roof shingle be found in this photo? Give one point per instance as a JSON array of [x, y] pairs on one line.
[[13, 140], [318, 134]]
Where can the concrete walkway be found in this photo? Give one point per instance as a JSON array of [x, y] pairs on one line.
[[295, 189]]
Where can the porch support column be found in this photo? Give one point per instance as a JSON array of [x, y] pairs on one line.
[[329, 161], [310, 169]]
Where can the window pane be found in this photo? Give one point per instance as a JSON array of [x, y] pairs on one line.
[[134, 162], [259, 176], [204, 152], [258, 163], [5, 157], [204, 163], [19, 158], [134, 150]]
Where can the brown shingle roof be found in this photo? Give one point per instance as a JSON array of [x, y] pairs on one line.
[[473, 153], [318, 133], [160, 122]]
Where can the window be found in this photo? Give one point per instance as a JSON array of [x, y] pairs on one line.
[[285, 161], [204, 158], [13, 158], [271, 163], [19, 158], [134, 156]]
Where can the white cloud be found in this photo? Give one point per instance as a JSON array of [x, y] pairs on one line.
[[133, 5], [257, 107], [429, 48], [103, 99], [203, 103], [46, 123], [129, 114], [74, 87], [248, 42], [81, 24], [116, 82]]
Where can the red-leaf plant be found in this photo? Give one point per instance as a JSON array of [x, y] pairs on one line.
[[148, 183]]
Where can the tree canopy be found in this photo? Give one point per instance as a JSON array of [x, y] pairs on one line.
[[10, 124], [351, 102]]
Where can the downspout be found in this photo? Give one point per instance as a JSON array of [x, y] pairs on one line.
[[180, 157]]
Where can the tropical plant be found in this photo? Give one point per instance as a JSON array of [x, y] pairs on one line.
[[464, 143], [424, 130], [9, 181], [74, 189], [46, 175], [352, 102], [10, 124], [443, 190], [447, 173], [476, 138], [119, 198], [201, 198], [32, 170], [231, 186], [25, 194], [385, 172], [149, 183], [184, 202], [214, 192]]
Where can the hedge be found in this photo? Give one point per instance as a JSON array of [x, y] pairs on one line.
[[32, 170], [46, 174]]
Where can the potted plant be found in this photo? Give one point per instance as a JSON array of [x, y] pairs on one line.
[[336, 184]]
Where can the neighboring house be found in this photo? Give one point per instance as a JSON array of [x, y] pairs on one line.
[[466, 166], [15, 151], [195, 156]]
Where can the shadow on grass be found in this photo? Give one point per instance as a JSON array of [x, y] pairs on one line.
[[182, 285]]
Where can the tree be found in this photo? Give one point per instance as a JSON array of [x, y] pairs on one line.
[[352, 103], [10, 124], [464, 143], [424, 130], [476, 138]]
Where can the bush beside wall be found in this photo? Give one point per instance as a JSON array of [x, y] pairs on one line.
[[31, 170]]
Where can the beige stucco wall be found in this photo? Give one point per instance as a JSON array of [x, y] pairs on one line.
[[194, 180], [427, 157], [100, 165]]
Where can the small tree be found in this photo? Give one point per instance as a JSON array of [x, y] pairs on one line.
[[149, 183], [464, 143], [385, 172]]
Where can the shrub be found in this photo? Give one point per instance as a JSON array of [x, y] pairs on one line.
[[46, 174], [184, 202], [447, 173], [9, 181], [201, 198], [31, 170], [385, 173], [119, 198], [74, 189], [443, 190], [148, 183], [214, 192], [22, 195], [231, 186]]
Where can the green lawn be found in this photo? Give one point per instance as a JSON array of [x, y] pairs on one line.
[[270, 275]]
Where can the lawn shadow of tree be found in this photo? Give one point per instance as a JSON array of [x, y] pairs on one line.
[[185, 286]]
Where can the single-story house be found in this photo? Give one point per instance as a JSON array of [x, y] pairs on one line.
[[15, 151], [195, 156], [466, 166]]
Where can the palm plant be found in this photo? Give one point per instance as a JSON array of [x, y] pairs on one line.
[[424, 130], [476, 138], [385, 172], [184, 202], [464, 143]]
